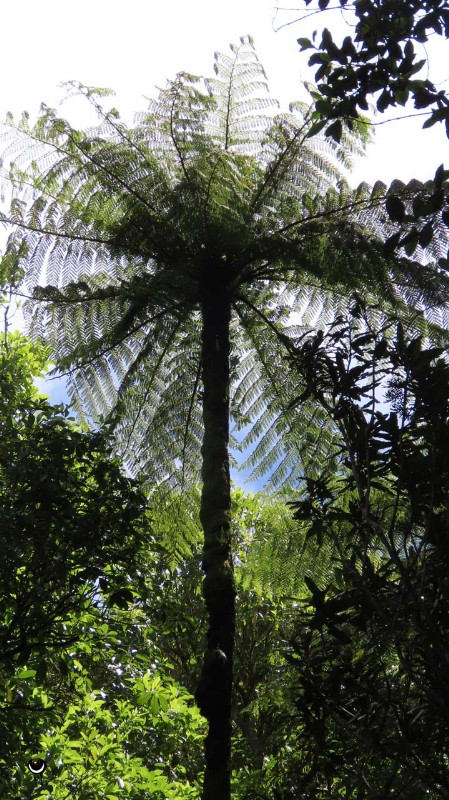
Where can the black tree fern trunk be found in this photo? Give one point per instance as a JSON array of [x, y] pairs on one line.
[[215, 686]]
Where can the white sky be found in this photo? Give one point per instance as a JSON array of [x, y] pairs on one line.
[[134, 46]]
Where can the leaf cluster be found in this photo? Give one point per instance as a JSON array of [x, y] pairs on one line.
[[72, 521], [380, 59], [369, 647]]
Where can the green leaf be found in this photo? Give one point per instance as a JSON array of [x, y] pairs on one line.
[[335, 131], [24, 674], [305, 44], [384, 100], [410, 242], [316, 127], [426, 235], [395, 208]]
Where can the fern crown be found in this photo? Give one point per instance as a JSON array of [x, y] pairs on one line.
[[121, 228]]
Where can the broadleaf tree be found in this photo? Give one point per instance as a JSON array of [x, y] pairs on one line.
[[166, 260], [71, 519], [370, 641], [384, 59], [378, 58], [82, 682]]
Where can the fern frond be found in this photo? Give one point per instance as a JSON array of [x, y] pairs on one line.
[[118, 227]]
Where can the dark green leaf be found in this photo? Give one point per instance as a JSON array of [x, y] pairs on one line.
[[395, 208]]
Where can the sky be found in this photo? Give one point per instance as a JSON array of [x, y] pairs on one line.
[[134, 46]]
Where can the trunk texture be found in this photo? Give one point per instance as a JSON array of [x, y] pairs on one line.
[[215, 686]]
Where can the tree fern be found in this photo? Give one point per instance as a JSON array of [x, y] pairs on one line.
[[159, 254], [278, 555]]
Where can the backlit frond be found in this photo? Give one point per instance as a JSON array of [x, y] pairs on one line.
[[120, 228]]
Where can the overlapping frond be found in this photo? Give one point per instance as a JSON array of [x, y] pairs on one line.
[[241, 96], [278, 557], [117, 226], [264, 389]]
